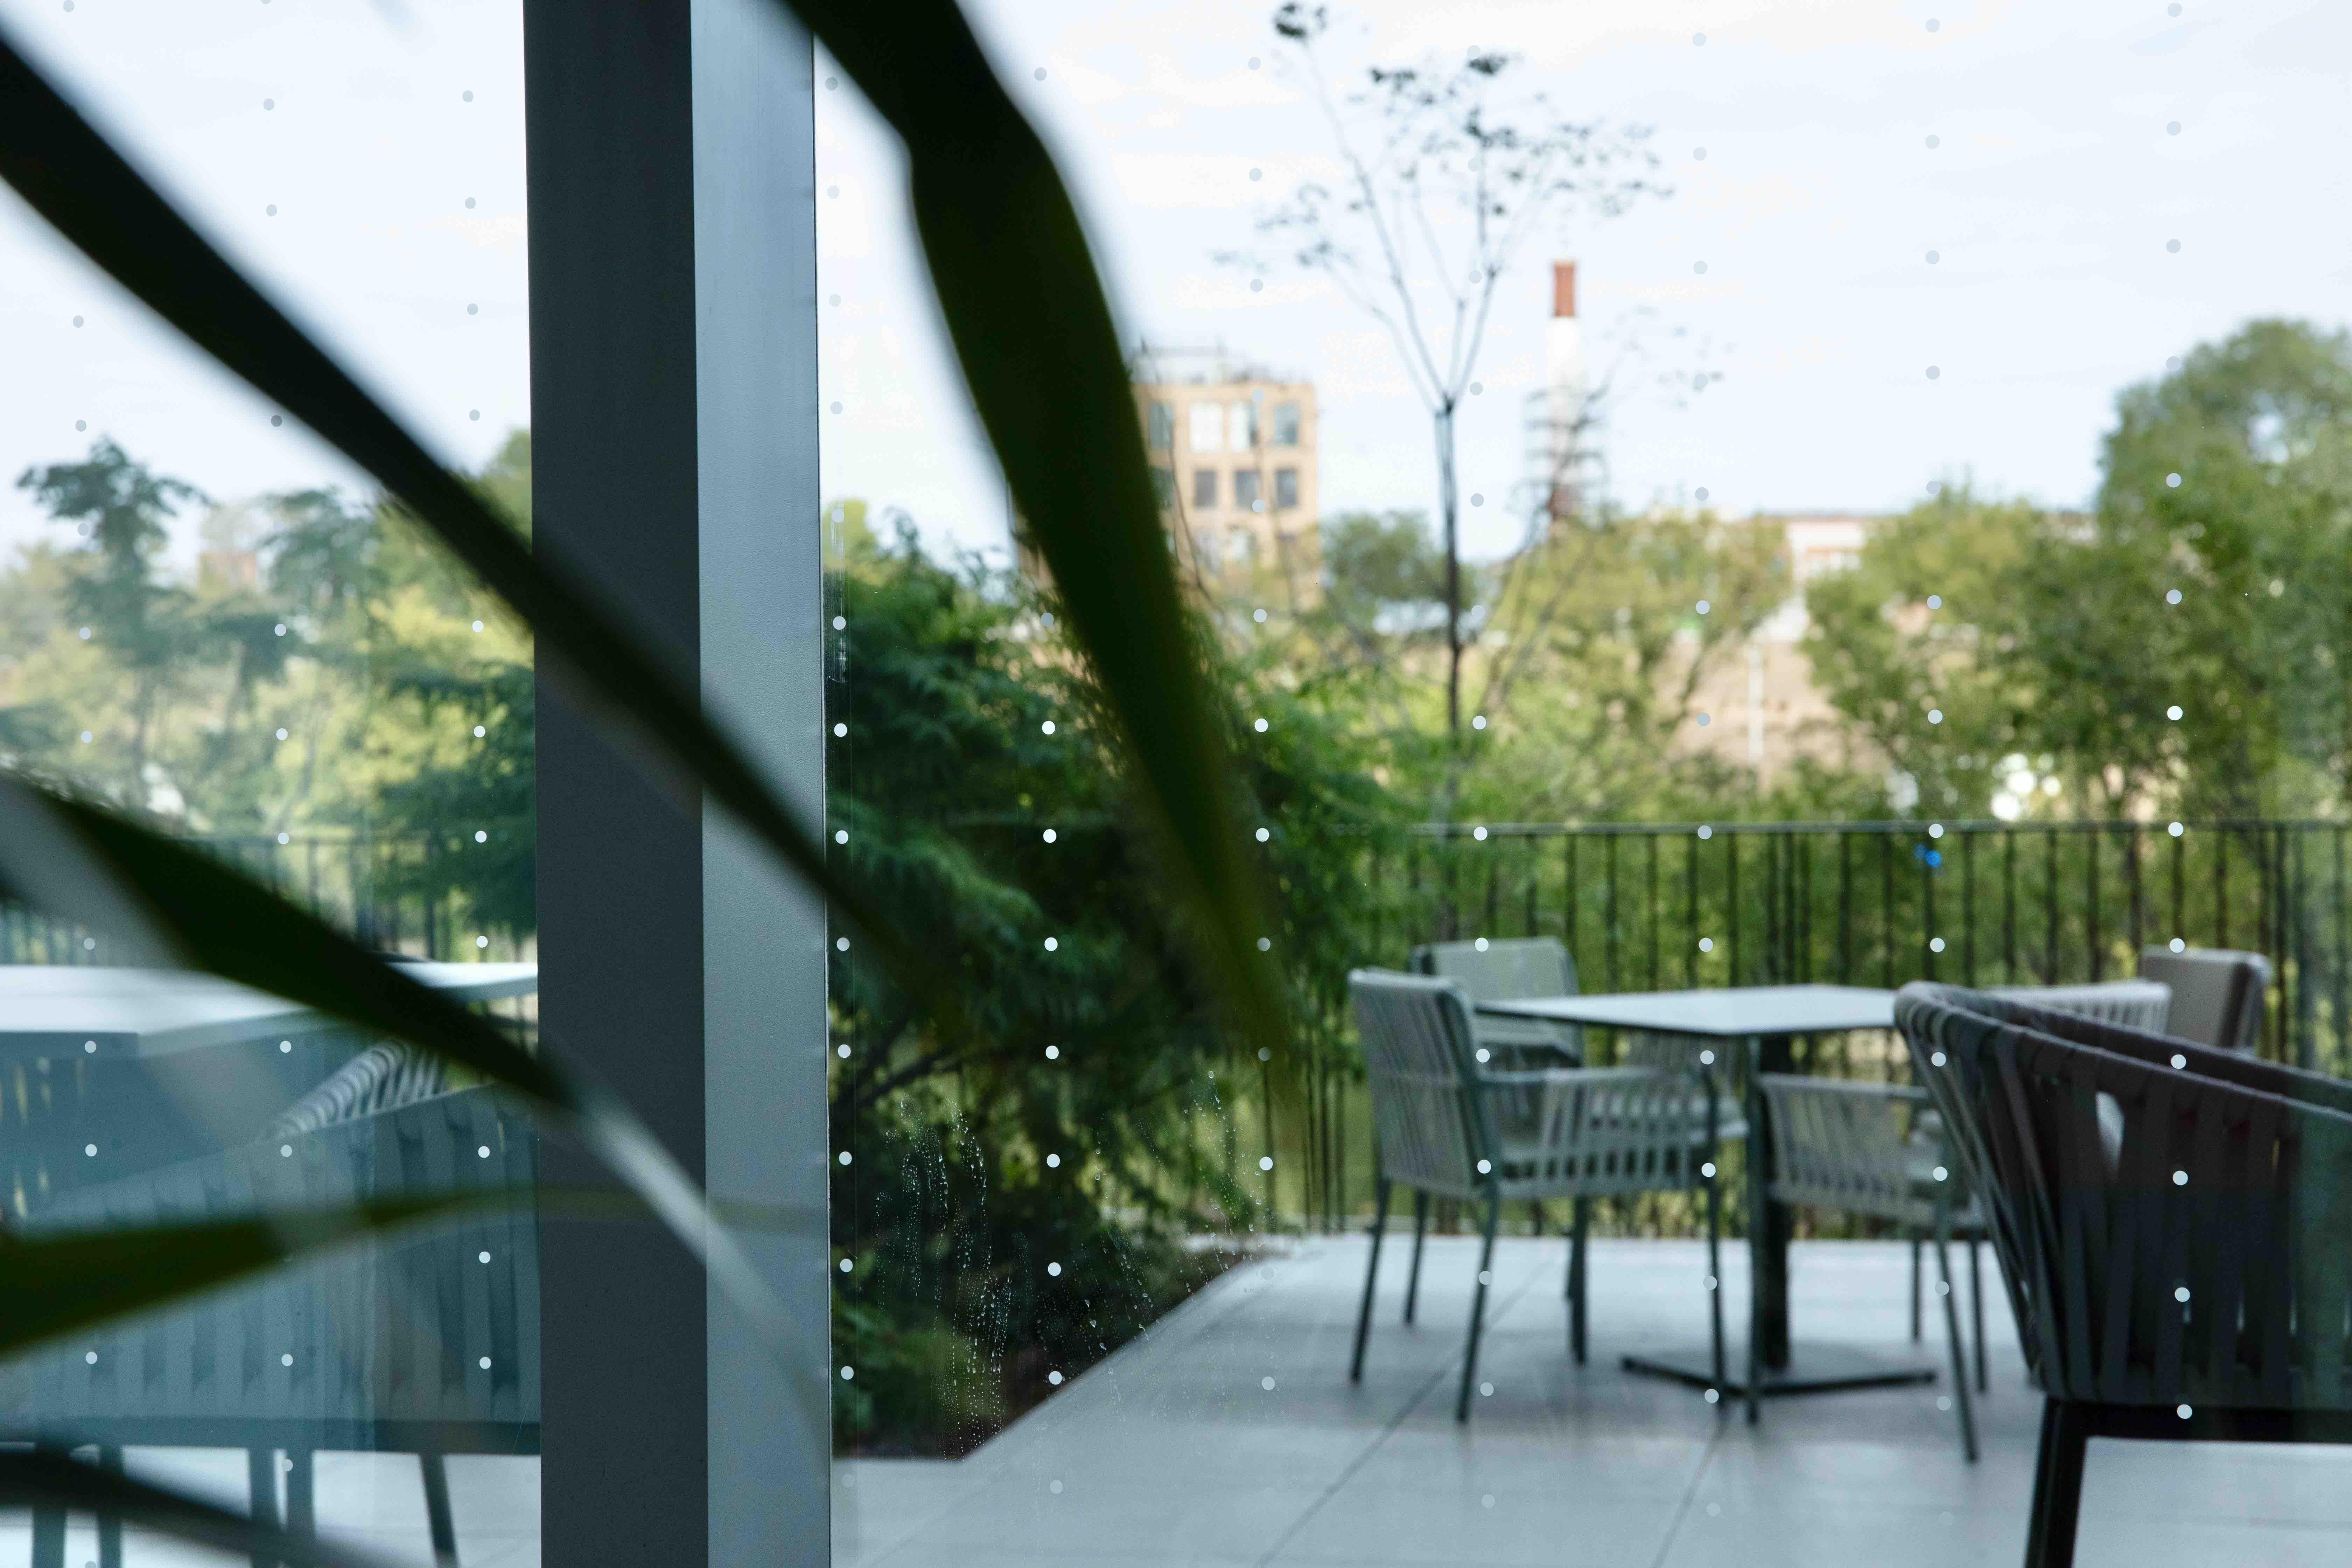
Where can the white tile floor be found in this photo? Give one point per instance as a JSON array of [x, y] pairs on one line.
[[1175, 1452]]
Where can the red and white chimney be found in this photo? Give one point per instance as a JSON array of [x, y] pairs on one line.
[[1564, 390]]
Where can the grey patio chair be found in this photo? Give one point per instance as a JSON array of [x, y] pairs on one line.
[[2174, 1225], [2142, 1004], [1840, 1144], [1448, 1126], [1491, 969], [2217, 994], [427, 1344]]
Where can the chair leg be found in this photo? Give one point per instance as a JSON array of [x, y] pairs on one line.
[[301, 1506], [1976, 1306], [1959, 1348], [261, 1494], [1371, 1273], [2057, 1487], [1412, 1275], [1478, 1311], [1914, 1289], [1577, 1266], [436, 1510], [49, 1523], [110, 1525], [1715, 1281]]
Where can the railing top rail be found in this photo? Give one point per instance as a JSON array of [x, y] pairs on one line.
[[1920, 825]]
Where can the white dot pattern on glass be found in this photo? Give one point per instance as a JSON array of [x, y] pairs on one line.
[[842, 1157], [285, 1360], [1935, 372], [484, 1363], [1055, 1378], [1266, 1383], [1054, 1487], [1265, 1162], [1935, 944], [2172, 246], [1053, 1053], [484, 1257], [1699, 267], [1706, 944]]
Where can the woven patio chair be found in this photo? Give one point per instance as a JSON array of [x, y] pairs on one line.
[[1448, 1126], [1839, 1144], [1497, 968], [2174, 1225], [414, 1346], [2141, 1004], [2217, 994]]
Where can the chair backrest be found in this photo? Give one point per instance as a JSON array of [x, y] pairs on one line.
[[384, 1077], [407, 1343], [2142, 1004], [2217, 994], [1492, 969], [1430, 1121], [1841, 1144], [2207, 1262]]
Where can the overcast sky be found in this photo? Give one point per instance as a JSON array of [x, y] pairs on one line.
[[2049, 198]]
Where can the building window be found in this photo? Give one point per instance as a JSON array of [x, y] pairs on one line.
[[1204, 480], [1161, 427], [1208, 427], [1245, 494], [1163, 485], [1285, 489], [1240, 426], [1286, 424], [1205, 553], [1242, 545]]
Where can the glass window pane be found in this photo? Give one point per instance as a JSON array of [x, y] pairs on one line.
[[1208, 427], [1577, 663], [214, 621]]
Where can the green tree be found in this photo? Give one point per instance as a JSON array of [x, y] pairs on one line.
[[1083, 1118], [123, 512]]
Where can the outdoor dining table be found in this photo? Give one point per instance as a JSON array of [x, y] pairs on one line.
[[1765, 1020], [140, 1068], [56, 1010]]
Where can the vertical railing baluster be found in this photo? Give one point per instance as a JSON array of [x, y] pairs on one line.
[[2222, 885], [2091, 900], [1845, 906], [1967, 906], [2008, 907], [1886, 909], [1690, 909], [1652, 848], [1731, 902], [2050, 908], [1608, 871]]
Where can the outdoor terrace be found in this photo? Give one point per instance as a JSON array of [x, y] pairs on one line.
[[1174, 1451]]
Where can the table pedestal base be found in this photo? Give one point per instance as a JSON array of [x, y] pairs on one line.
[[1811, 1369]]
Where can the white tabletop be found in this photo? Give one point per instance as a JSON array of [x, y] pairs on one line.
[[66, 1009], [1729, 1013]]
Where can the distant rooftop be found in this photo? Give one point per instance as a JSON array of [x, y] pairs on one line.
[[1206, 365]]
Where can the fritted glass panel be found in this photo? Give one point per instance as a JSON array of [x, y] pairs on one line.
[[1703, 525], [216, 625]]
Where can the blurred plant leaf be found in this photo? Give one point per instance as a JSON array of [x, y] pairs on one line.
[[1033, 329], [53, 1481], [70, 175], [162, 902]]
